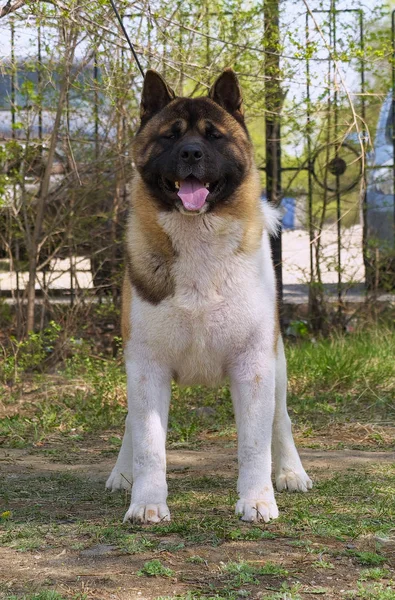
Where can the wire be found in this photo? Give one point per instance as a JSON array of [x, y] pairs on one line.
[[127, 38]]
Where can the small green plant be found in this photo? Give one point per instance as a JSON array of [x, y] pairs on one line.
[[272, 569], [190, 595], [244, 572], [367, 558], [154, 568], [286, 592], [196, 560], [376, 591], [133, 544], [373, 574], [323, 564], [253, 533], [45, 595]]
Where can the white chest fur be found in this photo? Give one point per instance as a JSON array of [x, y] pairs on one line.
[[223, 300]]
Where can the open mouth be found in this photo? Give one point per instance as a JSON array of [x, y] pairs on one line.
[[191, 191]]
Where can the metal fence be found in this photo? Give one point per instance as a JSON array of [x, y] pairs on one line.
[[335, 177]]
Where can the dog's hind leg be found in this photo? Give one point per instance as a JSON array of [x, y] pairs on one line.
[[288, 468], [122, 473]]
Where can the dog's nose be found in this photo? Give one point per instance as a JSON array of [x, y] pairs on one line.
[[191, 154]]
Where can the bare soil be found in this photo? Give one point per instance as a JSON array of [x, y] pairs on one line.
[[103, 571]]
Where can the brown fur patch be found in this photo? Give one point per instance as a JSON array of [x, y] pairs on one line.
[[126, 325], [181, 125], [203, 124], [244, 205], [149, 253]]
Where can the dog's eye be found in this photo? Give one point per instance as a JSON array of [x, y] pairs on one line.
[[213, 135], [170, 136]]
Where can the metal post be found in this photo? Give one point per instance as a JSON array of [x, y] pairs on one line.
[[338, 203], [71, 275], [273, 107], [393, 113], [207, 28], [39, 85], [13, 121], [13, 73], [309, 164], [364, 148], [96, 106]]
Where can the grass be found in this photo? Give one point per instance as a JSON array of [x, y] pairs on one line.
[[343, 376], [373, 592], [343, 379], [374, 574], [254, 533], [154, 568], [196, 560], [45, 595], [367, 559], [338, 530], [286, 593], [341, 507], [244, 572]]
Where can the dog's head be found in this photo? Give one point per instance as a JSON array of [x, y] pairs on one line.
[[192, 153]]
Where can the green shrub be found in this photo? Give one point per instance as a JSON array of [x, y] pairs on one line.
[[26, 355]]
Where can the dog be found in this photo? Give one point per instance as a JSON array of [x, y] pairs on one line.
[[199, 297]]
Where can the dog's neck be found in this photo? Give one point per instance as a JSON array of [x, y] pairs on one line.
[[235, 224], [209, 232]]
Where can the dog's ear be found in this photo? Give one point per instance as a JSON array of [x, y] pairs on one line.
[[226, 92], [155, 96]]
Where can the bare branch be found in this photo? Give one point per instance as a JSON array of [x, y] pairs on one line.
[[12, 7]]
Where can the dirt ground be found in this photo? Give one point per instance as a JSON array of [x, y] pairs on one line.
[[70, 557]]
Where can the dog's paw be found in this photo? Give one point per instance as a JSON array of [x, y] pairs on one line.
[[295, 480], [120, 479], [261, 509], [147, 513]]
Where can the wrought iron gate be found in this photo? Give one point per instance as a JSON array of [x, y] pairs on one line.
[[338, 166], [335, 162]]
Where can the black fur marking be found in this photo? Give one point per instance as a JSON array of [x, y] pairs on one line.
[[156, 283], [227, 93], [155, 96]]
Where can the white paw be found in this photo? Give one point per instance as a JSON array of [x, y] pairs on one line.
[[261, 509], [120, 479], [147, 513], [293, 480]]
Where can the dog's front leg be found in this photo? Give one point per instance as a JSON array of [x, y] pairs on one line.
[[149, 386], [252, 386]]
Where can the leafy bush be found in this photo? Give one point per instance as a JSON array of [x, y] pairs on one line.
[[28, 354]]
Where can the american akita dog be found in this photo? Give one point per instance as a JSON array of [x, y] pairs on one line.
[[199, 297]]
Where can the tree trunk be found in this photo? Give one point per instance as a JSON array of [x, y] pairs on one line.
[[34, 246]]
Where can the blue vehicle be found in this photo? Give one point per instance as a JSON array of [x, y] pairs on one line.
[[288, 212], [380, 187], [380, 209]]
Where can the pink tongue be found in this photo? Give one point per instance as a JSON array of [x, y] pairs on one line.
[[193, 194]]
